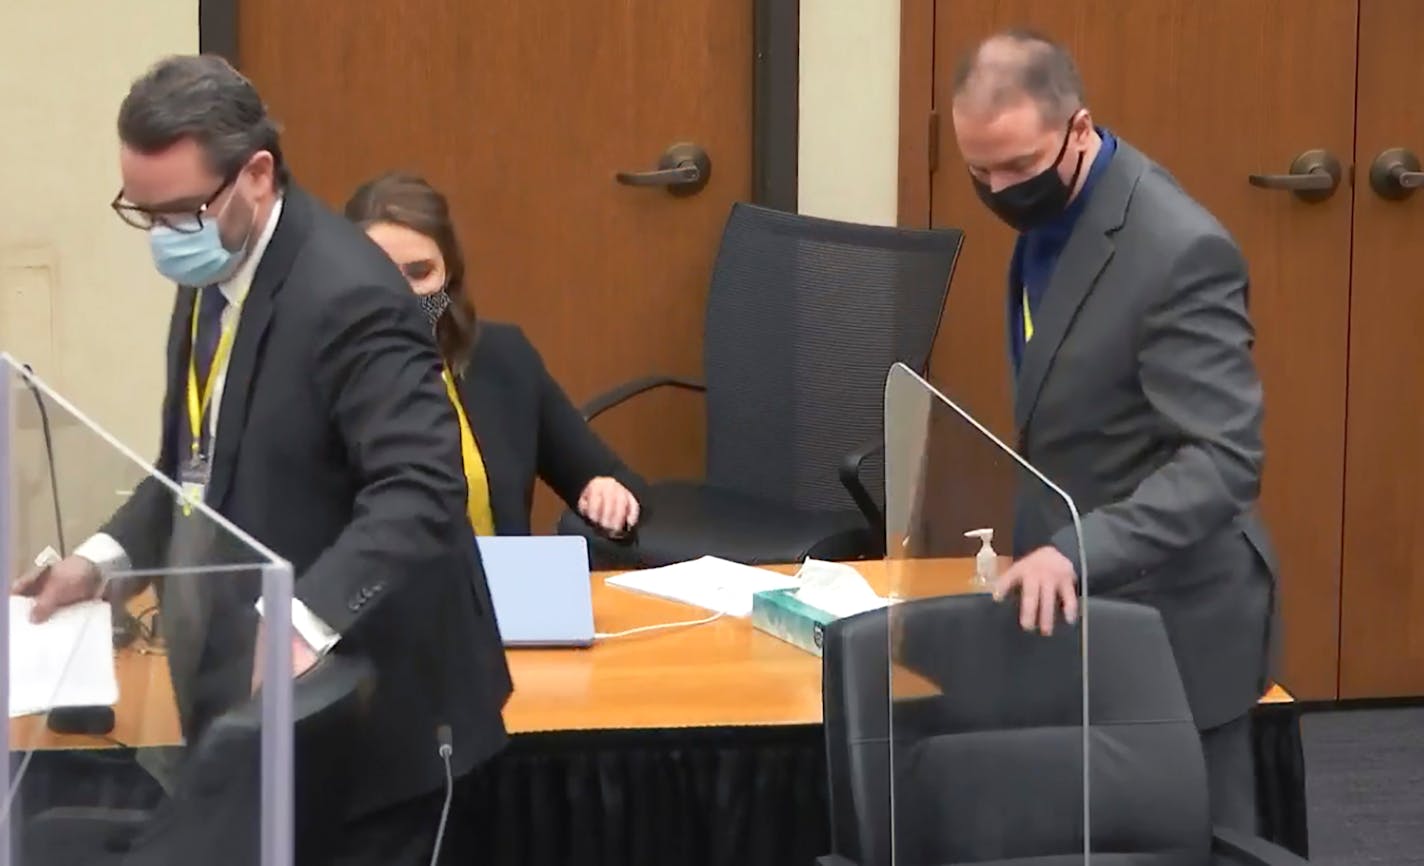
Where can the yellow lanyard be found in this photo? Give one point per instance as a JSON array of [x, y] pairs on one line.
[[200, 399], [1028, 318], [477, 503]]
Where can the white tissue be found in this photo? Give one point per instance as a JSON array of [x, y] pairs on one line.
[[836, 588]]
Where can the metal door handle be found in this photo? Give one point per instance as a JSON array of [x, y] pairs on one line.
[[1395, 174], [687, 173], [683, 168], [1312, 176]]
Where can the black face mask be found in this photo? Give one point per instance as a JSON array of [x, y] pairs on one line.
[[1033, 202], [435, 304]]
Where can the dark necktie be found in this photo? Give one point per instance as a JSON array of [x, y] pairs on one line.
[[211, 303]]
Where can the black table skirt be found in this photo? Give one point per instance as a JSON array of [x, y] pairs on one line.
[[733, 796]]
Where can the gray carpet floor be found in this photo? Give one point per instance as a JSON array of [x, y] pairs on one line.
[[1365, 786]]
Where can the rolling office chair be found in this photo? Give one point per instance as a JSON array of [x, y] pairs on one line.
[[213, 815], [999, 729], [804, 316]]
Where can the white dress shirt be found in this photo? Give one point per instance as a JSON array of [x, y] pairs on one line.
[[106, 552]]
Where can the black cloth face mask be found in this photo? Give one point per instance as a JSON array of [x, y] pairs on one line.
[[1030, 203]]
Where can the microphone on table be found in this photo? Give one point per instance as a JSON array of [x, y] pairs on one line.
[[34, 390], [95, 721], [126, 626], [446, 740]]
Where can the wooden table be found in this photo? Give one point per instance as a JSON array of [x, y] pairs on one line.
[[723, 673], [146, 715], [697, 745]]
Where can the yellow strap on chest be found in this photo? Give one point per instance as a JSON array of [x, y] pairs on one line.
[[200, 397], [477, 505]]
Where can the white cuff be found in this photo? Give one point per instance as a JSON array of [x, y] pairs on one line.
[[309, 627], [106, 554]]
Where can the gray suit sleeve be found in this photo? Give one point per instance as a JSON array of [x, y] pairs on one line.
[[1196, 370]]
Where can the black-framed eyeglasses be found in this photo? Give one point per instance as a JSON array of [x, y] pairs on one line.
[[183, 220]]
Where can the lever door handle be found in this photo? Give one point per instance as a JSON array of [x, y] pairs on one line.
[[1395, 174], [683, 169], [686, 173], [1312, 176]]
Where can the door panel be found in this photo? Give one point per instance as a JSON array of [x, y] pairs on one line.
[[1382, 617], [1214, 90], [522, 113]]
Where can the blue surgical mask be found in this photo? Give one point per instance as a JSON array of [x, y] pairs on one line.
[[196, 258]]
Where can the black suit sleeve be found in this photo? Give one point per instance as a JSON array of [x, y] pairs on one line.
[[570, 454], [143, 523], [1195, 368], [378, 372]]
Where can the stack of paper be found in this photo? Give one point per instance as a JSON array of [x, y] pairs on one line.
[[711, 583], [66, 661]]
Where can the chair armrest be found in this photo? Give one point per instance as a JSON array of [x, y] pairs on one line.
[[632, 388], [834, 860], [850, 480], [1246, 850]]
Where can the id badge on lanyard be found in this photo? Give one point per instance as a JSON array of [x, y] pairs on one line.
[[193, 477]]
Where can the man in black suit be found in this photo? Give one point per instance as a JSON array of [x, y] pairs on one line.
[[1135, 389], [304, 403]]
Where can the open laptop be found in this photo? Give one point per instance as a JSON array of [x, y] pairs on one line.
[[540, 586]]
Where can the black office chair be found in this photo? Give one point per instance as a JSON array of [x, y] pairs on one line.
[[213, 815], [804, 318], [990, 769]]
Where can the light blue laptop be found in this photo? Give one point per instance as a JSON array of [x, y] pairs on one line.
[[540, 586]]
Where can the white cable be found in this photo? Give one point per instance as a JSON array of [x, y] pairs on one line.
[[646, 628]]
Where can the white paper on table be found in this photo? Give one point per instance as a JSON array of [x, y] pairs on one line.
[[66, 661], [709, 582]]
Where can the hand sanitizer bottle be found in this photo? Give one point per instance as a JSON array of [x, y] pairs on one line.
[[986, 561]]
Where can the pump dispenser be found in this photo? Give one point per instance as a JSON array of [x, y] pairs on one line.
[[986, 561]]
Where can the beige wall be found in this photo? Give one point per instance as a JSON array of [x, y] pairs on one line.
[[79, 299], [848, 150]]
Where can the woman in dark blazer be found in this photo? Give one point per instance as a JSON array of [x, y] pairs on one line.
[[518, 424]]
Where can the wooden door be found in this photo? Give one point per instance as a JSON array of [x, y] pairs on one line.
[[1382, 617], [523, 113], [1214, 90]]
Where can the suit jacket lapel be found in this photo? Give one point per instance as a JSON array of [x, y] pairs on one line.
[[292, 228], [1088, 252]]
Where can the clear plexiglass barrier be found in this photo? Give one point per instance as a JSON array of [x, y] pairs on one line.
[[987, 720], [150, 703]]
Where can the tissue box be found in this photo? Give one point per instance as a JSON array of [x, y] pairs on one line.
[[779, 613]]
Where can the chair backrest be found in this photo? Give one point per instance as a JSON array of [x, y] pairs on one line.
[[804, 318], [1006, 722], [213, 815]]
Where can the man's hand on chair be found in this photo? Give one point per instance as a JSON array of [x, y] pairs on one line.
[[1045, 580]]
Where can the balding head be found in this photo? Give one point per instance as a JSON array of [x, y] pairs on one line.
[[1021, 126], [1017, 65]]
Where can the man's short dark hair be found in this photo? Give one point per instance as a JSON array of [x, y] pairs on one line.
[[1020, 63], [200, 96]]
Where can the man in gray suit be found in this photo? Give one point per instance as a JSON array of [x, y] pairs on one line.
[[1134, 390]]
